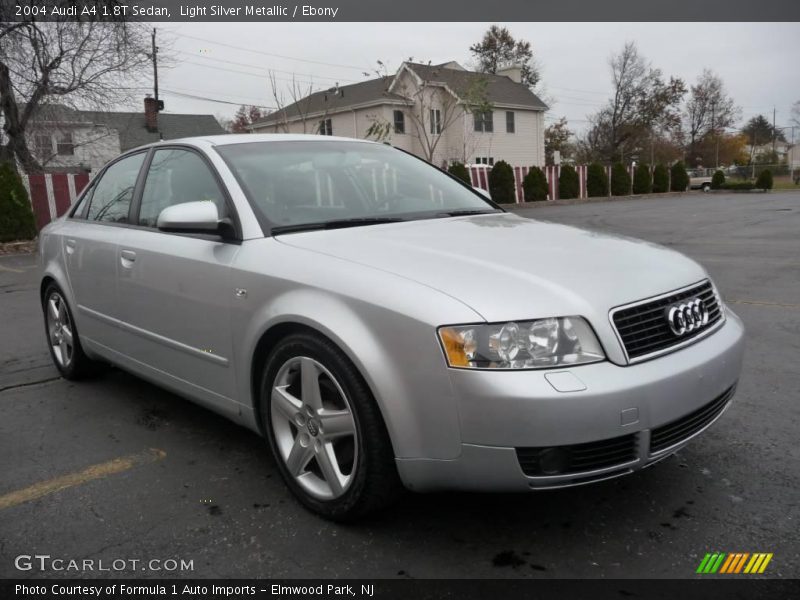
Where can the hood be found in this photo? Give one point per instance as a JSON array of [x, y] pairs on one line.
[[508, 267]]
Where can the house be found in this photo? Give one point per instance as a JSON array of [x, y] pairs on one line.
[[64, 139], [442, 113]]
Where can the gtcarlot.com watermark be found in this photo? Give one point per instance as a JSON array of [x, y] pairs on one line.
[[47, 563]]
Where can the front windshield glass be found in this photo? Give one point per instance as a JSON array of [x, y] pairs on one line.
[[295, 183]]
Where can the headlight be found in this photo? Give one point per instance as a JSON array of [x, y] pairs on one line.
[[540, 344]]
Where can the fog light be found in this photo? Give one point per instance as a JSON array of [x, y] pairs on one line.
[[553, 461]]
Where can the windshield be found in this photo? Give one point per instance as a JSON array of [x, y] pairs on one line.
[[293, 184]]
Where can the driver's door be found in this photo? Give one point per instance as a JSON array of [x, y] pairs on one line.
[[175, 289]]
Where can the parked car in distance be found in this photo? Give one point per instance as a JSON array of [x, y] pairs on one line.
[[381, 323], [700, 179]]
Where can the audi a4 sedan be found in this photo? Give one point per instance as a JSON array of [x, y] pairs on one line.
[[381, 323]]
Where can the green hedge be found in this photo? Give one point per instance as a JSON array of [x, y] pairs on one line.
[[764, 181], [501, 183], [596, 181], [642, 181], [620, 180], [718, 180], [739, 186], [459, 170], [534, 185], [568, 183], [660, 179], [16, 216], [679, 180]]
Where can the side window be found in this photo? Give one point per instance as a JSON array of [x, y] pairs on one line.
[[177, 176], [112, 195], [84, 199]]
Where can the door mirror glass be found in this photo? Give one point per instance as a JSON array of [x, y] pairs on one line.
[[190, 217]]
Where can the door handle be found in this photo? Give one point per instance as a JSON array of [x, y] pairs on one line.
[[127, 258], [70, 246]]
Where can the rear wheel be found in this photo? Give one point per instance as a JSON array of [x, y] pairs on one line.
[[62, 337], [706, 187], [325, 429]]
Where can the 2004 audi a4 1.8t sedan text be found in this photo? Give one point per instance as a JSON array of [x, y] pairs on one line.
[[382, 323]]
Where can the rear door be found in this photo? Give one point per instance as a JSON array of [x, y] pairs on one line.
[[89, 242], [175, 289]]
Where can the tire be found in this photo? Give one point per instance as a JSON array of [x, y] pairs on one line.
[[63, 340], [325, 430], [706, 187]]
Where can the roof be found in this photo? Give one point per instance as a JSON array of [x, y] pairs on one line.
[[365, 92], [250, 138], [131, 125], [500, 90]]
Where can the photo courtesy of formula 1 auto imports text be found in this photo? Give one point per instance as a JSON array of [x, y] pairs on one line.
[[389, 299]]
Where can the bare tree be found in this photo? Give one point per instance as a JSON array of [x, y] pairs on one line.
[[77, 63], [298, 109], [433, 108], [796, 113], [642, 103], [709, 108]]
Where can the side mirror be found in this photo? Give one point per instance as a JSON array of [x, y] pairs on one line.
[[190, 217], [482, 192]]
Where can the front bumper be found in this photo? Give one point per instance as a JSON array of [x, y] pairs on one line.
[[505, 417]]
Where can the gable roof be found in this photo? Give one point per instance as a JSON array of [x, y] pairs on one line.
[[131, 125], [500, 90], [355, 94]]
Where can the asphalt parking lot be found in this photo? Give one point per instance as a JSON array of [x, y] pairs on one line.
[[174, 481]]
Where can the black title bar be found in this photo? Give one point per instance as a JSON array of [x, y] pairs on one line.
[[404, 10]]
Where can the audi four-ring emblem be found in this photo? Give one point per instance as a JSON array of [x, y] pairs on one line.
[[687, 316]]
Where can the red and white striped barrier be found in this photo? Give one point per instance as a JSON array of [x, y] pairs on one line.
[[52, 194]]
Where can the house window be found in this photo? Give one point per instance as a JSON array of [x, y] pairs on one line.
[[64, 144], [484, 121], [509, 121], [436, 121], [43, 145], [399, 122], [484, 160], [325, 127]]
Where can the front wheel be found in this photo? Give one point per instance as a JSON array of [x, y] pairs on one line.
[[325, 429], [706, 187]]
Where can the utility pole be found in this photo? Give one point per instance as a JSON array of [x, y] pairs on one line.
[[714, 130], [155, 66], [774, 131]]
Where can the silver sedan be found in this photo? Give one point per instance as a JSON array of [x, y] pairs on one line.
[[382, 323]]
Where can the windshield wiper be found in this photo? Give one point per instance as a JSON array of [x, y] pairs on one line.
[[335, 224], [467, 211]]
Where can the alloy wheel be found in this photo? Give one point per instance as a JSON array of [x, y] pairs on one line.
[[59, 329], [314, 428]]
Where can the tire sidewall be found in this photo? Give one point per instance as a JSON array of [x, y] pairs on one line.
[[72, 369], [312, 346]]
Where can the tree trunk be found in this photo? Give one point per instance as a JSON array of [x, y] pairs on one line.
[[16, 144]]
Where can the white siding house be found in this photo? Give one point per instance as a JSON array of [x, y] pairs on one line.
[[428, 110]]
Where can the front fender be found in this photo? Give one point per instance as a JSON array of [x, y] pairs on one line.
[[390, 337]]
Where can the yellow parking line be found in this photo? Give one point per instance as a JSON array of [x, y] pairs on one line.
[[10, 270], [99, 471]]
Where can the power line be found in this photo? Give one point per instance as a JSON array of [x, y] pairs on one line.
[[243, 49], [261, 67], [207, 99]]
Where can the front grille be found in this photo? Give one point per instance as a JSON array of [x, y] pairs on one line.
[[679, 430], [578, 458], [644, 330]]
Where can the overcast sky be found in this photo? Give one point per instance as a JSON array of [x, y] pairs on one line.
[[229, 61]]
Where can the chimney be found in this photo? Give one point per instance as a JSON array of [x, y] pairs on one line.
[[151, 114], [513, 72]]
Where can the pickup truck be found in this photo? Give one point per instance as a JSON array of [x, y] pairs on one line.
[[700, 179]]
